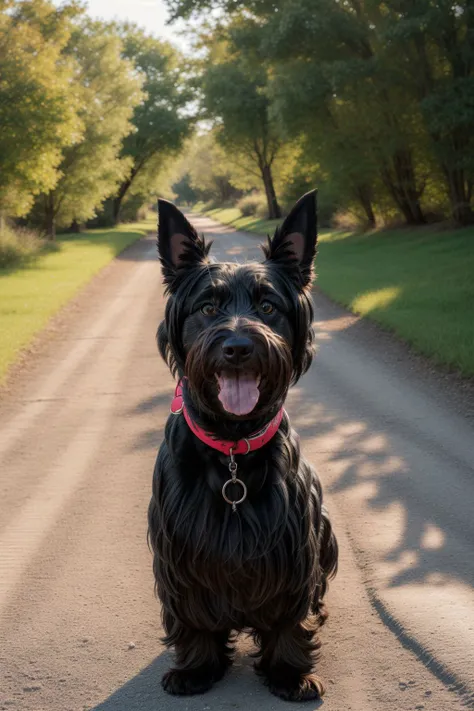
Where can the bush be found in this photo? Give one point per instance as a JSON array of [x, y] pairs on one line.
[[18, 245], [253, 204]]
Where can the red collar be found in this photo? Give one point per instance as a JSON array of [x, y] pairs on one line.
[[242, 446]]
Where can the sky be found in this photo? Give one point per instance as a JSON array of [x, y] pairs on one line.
[[150, 14]]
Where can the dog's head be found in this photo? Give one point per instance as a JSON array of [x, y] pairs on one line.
[[241, 333]]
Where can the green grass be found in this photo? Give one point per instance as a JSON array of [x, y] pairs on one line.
[[417, 283], [32, 294]]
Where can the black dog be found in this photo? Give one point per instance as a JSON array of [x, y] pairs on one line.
[[240, 537]]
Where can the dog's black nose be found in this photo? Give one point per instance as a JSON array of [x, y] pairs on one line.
[[237, 349]]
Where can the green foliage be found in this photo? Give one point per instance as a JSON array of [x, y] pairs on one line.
[[213, 174], [184, 191], [438, 38], [236, 94], [159, 122], [135, 208], [378, 95], [235, 97], [38, 99], [372, 102], [87, 110], [108, 89], [253, 204]]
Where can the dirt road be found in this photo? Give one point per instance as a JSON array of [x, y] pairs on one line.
[[79, 626]]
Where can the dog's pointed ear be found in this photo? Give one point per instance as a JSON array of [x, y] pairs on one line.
[[179, 245], [293, 246]]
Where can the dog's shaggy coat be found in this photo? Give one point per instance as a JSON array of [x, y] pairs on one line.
[[264, 567]]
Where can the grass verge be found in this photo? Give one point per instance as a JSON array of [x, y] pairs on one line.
[[417, 283], [32, 294]]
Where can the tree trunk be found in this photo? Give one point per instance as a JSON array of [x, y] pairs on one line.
[[274, 211], [459, 195], [117, 206], [400, 181], [455, 140], [75, 227], [364, 197], [49, 216], [117, 201]]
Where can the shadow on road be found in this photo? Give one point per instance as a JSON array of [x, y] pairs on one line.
[[151, 438], [240, 689], [142, 692], [390, 465], [151, 403]]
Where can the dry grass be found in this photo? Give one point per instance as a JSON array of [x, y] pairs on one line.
[[19, 245]]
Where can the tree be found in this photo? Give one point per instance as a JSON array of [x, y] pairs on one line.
[[38, 100], [184, 191], [437, 39], [160, 123], [332, 133], [343, 81], [212, 174], [235, 96], [408, 65], [108, 88]]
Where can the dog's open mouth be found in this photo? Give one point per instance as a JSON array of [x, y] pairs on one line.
[[238, 391]]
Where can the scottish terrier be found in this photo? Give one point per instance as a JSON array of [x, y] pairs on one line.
[[240, 536]]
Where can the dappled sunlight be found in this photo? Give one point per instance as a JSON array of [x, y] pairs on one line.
[[411, 542], [377, 443], [339, 323], [433, 537], [377, 299]]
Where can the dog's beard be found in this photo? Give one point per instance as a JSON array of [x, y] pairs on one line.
[[247, 391]]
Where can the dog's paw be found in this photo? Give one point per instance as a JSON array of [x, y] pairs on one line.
[[187, 682], [306, 687]]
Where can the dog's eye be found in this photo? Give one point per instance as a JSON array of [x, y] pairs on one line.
[[266, 307], [208, 309]]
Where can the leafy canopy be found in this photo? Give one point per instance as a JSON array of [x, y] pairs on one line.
[[109, 88], [38, 99]]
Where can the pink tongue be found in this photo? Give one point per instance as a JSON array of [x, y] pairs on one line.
[[239, 393]]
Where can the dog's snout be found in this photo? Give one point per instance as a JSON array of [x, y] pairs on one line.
[[237, 349]]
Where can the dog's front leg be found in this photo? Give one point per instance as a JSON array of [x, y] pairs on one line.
[[287, 658], [202, 658]]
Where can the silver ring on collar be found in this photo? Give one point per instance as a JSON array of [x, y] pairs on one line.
[[244, 491]]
